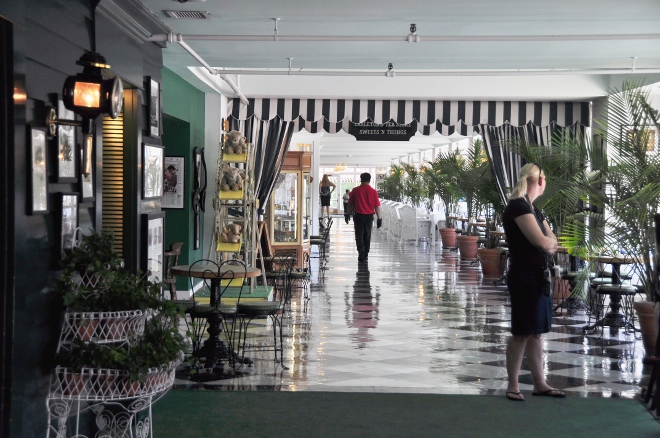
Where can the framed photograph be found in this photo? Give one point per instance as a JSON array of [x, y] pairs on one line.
[[69, 220], [648, 135], [153, 226], [154, 108], [66, 147], [37, 172], [173, 183], [152, 171]]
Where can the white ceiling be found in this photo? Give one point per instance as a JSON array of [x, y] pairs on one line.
[[592, 41]]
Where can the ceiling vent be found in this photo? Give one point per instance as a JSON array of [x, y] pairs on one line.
[[197, 15]]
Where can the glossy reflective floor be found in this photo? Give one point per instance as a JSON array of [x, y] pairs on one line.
[[417, 319]]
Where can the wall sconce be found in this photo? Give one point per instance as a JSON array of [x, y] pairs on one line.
[[90, 95]]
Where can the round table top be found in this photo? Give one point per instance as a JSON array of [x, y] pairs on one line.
[[209, 271], [619, 259]]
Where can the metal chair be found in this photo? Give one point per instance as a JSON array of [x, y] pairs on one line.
[[172, 259], [213, 317], [302, 276], [247, 311]]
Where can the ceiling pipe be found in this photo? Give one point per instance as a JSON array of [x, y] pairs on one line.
[[176, 38], [485, 72], [414, 37]]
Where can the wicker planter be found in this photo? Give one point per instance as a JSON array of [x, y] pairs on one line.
[[647, 323], [467, 247], [448, 236], [490, 261]]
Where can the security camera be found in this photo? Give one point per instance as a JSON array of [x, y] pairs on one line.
[[390, 66], [413, 27]]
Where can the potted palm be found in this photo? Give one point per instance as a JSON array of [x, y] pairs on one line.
[[442, 180], [470, 173], [486, 194], [391, 187], [603, 198], [413, 185]]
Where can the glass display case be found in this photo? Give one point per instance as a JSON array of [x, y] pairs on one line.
[[290, 206], [285, 208]]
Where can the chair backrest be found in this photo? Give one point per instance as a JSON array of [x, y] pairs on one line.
[[171, 259], [232, 269], [210, 266]]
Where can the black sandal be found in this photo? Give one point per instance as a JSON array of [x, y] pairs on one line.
[[515, 396]]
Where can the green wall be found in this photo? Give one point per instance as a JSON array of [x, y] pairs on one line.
[[183, 130]]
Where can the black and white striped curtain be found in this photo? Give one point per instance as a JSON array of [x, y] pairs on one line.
[[271, 139], [506, 164], [443, 116]]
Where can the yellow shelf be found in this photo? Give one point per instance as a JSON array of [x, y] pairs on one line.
[[234, 158], [231, 194], [228, 247]]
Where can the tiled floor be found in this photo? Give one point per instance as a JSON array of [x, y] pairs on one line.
[[417, 319]]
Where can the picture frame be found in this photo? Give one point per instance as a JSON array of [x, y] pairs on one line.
[[653, 139], [154, 108], [66, 147], [68, 220], [153, 232], [174, 176], [153, 157], [37, 171]]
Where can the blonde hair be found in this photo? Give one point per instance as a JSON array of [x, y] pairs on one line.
[[528, 175], [325, 181]]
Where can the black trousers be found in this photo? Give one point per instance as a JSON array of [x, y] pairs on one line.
[[363, 224], [348, 210]]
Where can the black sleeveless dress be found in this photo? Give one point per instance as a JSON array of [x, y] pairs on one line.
[[531, 310]]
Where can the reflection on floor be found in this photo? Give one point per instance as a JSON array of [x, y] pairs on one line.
[[417, 319]]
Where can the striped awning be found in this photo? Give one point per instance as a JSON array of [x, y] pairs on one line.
[[430, 116]]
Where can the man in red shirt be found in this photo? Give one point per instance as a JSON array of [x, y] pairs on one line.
[[365, 202]]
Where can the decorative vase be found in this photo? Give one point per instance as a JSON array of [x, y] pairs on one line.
[[448, 236], [467, 247], [647, 323], [490, 261]]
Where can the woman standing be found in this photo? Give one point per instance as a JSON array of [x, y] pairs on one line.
[[531, 245], [326, 187]]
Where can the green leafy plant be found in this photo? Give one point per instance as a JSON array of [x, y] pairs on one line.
[[414, 186], [391, 186], [442, 180], [602, 197]]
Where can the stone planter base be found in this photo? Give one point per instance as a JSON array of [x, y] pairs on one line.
[[646, 314]]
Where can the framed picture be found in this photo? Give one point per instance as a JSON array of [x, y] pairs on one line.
[[152, 171], [69, 220], [154, 108], [38, 172], [173, 182], [153, 226], [87, 185], [647, 134], [66, 147]]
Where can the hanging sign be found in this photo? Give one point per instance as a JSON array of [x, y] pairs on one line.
[[390, 131]]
